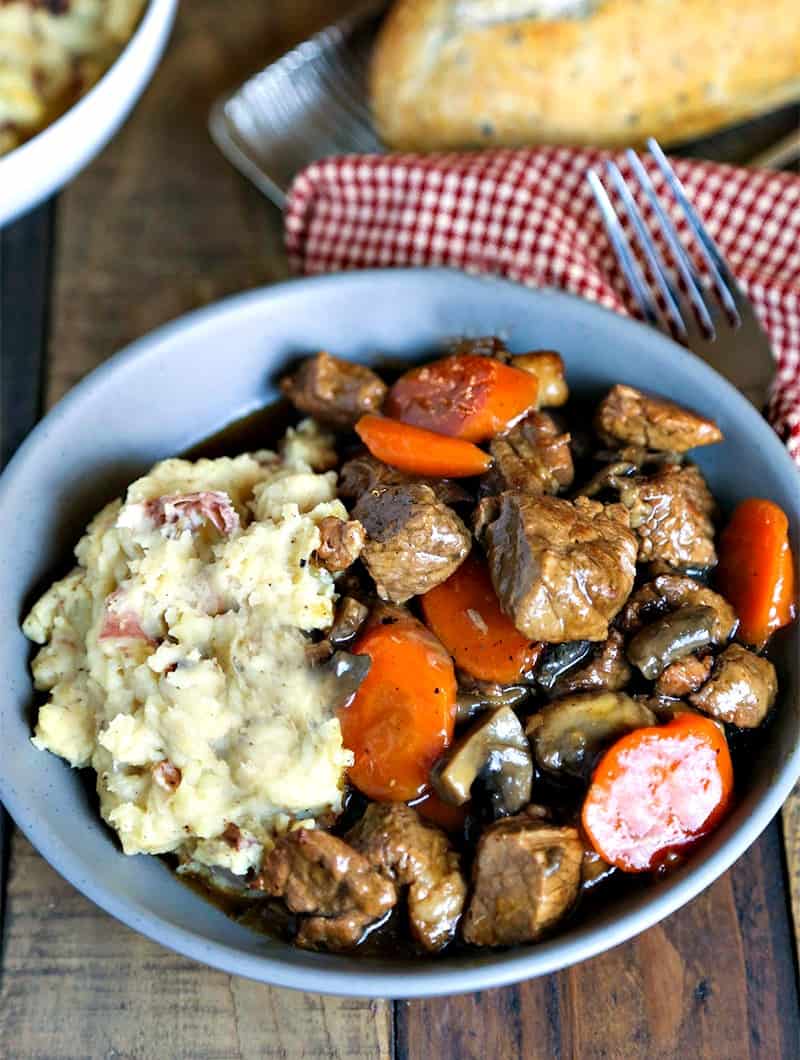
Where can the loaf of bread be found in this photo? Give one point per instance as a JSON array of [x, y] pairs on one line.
[[477, 73]]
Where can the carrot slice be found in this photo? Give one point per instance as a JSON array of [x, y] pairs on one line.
[[658, 790], [756, 570], [784, 606], [420, 452], [450, 818], [467, 396], [402, 717], [465, 615]]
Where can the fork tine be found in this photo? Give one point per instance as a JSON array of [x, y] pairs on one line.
[[724, 281], [691, 280], [648, 247], [621, 247]]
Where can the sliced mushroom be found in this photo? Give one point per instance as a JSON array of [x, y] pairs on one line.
[[473, 702], [569, 733], [558, 659], [667, 592], [494, 749], [341, 675], [670, 638], [350, 616]]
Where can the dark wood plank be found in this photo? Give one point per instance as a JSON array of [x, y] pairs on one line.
[[25, 262], [715, 980], [25, 268]]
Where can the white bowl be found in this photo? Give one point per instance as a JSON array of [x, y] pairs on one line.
[[42, 165]]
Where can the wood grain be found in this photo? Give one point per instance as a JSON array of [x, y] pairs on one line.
[[78, 984], [790, 823], [161, 223]]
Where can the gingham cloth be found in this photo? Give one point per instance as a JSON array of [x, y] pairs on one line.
[[529, 215]]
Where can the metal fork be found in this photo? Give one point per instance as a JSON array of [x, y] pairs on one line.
[[714, 319]]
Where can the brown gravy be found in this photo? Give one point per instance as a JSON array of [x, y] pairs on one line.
[[391, 939]]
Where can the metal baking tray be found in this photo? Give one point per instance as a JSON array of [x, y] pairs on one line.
[[312, 103]]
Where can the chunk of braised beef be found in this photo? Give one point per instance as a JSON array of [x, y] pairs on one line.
[[668, 592], [533, 457], [334, 933], [685, 676], [414, 541], [414, 853], [561, 569], [526, 877], [341, 543], [671, 512], [317, 873], [620, 464], [741, 689], [627, 415], [365, 472], [334, 391], [607, 669]]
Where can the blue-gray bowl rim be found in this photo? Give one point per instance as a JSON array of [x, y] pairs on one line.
[[352, 976]]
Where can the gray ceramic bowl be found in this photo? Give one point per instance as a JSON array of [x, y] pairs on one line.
[[190, 378]]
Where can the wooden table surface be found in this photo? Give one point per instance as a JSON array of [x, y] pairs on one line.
[[159, 224]]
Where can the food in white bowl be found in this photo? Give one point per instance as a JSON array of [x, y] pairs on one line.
[[51, 54], [77, 126], [560, 651]]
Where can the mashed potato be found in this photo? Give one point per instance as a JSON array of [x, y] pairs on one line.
[[174, 656], [51, 53]]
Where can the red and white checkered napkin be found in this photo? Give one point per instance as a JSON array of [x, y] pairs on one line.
[[529, 215]]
